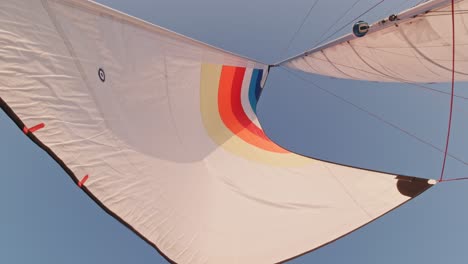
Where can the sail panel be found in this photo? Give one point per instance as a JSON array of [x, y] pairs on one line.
[[165, 128], [417, 47]]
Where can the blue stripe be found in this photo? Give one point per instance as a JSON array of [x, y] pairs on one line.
[[254, 88]]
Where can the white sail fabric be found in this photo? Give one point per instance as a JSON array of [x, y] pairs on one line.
[[165, 128], [417, 47]]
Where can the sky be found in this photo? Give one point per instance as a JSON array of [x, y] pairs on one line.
[[46, 219]]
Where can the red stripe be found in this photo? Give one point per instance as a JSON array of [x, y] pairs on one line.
[[234, 116], [456, 179], [237, 108], [453, 90]]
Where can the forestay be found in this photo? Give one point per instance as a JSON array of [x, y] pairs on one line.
[[416, 47], [165, 128]]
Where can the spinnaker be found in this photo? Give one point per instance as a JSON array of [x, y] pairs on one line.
[[161, 130]]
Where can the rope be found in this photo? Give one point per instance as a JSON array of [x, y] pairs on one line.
[[375, 116], [456, 179], [299, 28], [356, 18], [338, 20], [451, 98], [417, 85]]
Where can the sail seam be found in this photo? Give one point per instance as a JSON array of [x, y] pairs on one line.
[[379, 75], [404, 16], [300, 27]]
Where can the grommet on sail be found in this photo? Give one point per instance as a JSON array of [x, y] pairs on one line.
[[166, 128]]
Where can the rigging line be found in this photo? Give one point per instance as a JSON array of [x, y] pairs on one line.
[[374, 115], [454, 179], [347, 24], [451, 98], [299, 28], [337, 21]]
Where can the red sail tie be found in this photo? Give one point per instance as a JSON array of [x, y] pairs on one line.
[[33, 129], [80, 183]]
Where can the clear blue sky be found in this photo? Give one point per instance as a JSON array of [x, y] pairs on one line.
[[45, 218]]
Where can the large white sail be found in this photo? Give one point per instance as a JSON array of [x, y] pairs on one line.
[[416, 47], [165, 129]]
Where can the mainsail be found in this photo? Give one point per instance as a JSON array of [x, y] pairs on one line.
[[164, 129], [415, 47]]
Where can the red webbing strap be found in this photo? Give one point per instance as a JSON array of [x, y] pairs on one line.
[[33, 129], [80, 183], [451, 98]]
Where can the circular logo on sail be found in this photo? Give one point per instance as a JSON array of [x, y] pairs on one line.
[[101, 75]]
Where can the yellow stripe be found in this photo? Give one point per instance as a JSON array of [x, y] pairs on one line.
[[221, 135]]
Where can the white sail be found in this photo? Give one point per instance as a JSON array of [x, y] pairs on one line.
[[165, 129], [416, 47]]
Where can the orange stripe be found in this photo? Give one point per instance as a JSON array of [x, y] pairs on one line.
[[234, 117]]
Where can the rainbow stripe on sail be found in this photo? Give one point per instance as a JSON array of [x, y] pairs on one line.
[[229, 96]]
